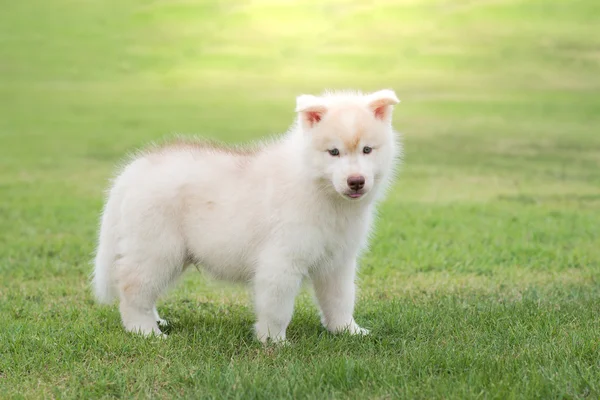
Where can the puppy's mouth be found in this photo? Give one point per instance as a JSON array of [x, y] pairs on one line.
[[354, 195]]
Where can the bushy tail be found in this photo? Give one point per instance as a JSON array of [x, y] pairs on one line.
[[106, 254]]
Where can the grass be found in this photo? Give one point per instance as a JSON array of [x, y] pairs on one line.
[[483, 276]]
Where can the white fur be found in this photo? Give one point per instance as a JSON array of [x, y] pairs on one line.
[[270, 217]]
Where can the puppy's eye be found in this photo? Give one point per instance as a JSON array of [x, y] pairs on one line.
[[367, 149], [334, 152]]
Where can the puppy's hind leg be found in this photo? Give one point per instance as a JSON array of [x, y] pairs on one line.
[[140, 283]]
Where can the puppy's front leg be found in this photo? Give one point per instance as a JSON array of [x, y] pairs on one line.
[[276, 285], [335, 291]]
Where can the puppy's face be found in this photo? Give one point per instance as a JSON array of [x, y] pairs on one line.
[[351, 141]]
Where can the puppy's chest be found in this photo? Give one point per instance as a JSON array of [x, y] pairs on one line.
[[318, 243]]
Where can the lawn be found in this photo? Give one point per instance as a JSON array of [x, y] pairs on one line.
[[483, 278]]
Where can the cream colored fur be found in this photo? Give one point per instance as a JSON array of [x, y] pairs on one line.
[[271, 217]]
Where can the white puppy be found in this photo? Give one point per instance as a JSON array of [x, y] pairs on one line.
[[299, 207]]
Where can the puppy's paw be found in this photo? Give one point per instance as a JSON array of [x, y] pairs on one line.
[[352, 328], [266, 336], [359, 331]]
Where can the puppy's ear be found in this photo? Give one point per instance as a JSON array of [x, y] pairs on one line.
[[381, 103], [310, 109]]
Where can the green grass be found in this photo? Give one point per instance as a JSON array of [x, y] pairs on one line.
[[483, 276]]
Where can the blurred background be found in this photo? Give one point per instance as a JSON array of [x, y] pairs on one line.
[[499, 115]]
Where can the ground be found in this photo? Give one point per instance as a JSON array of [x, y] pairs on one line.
[[483, 276]]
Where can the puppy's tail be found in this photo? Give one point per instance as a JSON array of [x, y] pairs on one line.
[[106, 253]]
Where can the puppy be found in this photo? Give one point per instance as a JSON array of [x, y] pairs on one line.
[[270, 215]]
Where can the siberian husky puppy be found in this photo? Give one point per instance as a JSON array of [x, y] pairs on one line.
[[299, 207]]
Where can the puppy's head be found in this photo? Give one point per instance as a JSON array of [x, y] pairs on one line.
[[350, 141]]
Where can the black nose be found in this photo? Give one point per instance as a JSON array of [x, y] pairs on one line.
[[356, 182]]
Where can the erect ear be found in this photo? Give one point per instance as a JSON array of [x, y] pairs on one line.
[[381, 103], [310, 109]]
